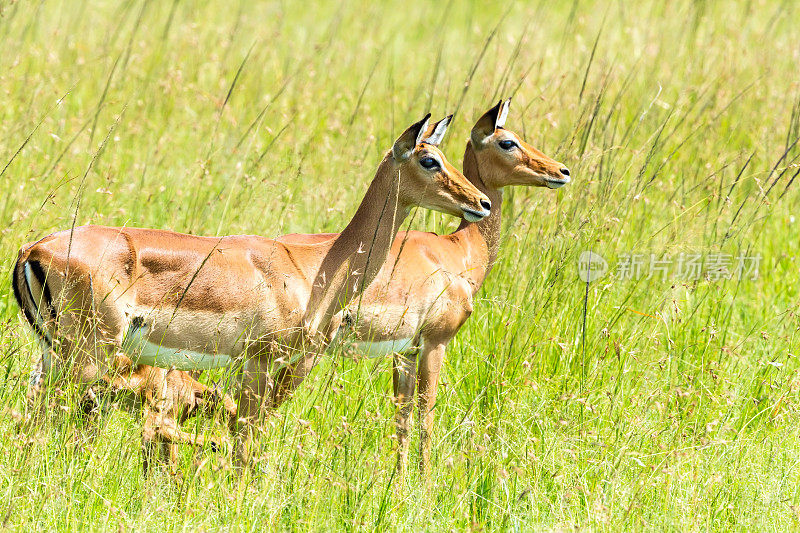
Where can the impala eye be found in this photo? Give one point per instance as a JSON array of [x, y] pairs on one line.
[[507, 145], [428, 162]]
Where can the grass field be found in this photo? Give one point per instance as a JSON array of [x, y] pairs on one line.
[[676, 407]]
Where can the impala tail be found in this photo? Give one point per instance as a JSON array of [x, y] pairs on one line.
[[29, 284]]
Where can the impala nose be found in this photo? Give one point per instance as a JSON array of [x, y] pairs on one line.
[[565, 171], [486, 204]]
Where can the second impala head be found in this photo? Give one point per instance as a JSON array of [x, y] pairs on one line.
[[428, 180], [508, 160]]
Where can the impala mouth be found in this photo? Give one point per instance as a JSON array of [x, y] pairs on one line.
[[471, 215], [556, 183]]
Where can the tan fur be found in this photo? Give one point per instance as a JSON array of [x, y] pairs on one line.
[[167, 397], [426, 287], [257, 300]]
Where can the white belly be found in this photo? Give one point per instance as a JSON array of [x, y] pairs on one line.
[[143, 352], [377, 348]]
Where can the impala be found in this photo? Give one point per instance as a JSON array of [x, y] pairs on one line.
[[167, 397], [95, 295], [424, 292]]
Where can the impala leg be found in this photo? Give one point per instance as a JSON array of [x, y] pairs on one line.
[[161, 436], [170, 397], [155, 448], [209, 401], [430, 365], [254, 395], [93, 389], [40, 384], [87, 352], [95, 404], [150, 444], [217, 398], [404, 381], [36, 397], [169, 435], [290, 377], [168, 431]]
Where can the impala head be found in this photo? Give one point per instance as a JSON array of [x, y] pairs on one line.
[[505, 159], [428, 180]]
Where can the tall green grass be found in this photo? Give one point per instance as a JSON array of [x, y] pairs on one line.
[[676, 407]]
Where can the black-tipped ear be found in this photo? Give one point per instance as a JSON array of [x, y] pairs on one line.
[[404, 145], [436, 132], [486, 125]]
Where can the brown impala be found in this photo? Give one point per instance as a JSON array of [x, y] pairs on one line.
[[423, 294], [97, 295]]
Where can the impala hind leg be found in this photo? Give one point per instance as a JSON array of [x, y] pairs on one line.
[[36, 397], [161, 437], [96, 403], [430, 366], [69, 368], [404, 380]]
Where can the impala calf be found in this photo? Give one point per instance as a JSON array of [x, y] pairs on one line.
[[246, 302], [424, 292]]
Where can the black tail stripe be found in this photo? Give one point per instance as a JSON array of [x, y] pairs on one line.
[[38, 271], [19, 272], [18, 296]]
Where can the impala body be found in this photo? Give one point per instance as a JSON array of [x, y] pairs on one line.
[[424, 292], [180, 301]]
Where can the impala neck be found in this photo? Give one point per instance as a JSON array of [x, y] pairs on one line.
[[482, 238], [356, 256]]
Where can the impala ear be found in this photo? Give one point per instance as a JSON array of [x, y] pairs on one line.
[[435, 133], [487, 123], [503, 115], [404, 145]]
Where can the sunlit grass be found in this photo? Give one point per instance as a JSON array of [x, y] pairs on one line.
[[677, 408]]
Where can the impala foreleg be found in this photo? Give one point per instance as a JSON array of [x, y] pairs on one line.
[[430, 365], [253, 398], [208, 401], [290, 377], [404, 380], [170, 397], [154, 447]]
